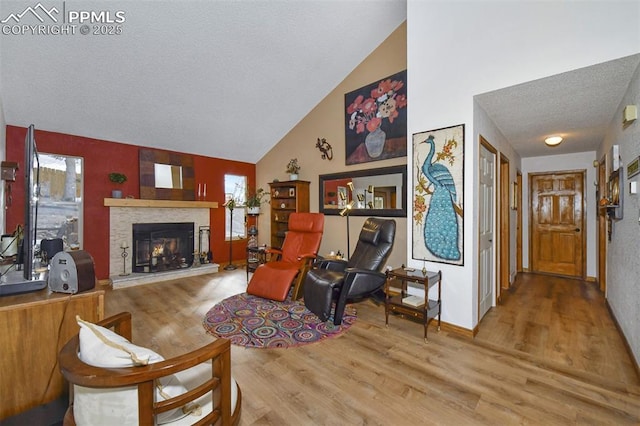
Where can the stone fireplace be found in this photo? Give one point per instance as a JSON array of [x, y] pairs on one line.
[[159, 247], [124, 213]]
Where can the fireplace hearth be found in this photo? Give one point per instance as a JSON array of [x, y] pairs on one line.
[[161, 247]]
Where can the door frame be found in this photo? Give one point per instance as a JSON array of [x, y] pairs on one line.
[[504, 225], [518, 195], [496, 288], [602, 226]]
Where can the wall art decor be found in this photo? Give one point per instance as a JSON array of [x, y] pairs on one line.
[[438, 194], [376, 120]]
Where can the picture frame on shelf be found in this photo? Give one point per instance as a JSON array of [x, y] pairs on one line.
[[633, 168], [342, 197]]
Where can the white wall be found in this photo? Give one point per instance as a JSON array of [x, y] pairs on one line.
[[579, 161], [623, 252], [491, 133], [456, 50]]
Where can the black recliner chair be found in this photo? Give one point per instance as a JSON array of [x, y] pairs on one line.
[[357, 278]]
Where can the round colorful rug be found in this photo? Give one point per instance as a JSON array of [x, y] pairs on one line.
[[255, 322]]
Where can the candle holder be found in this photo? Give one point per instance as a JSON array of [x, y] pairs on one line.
[[124, 255]]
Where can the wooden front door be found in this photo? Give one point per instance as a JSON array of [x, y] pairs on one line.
[[557, 223]]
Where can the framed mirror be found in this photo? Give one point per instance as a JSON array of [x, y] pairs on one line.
[[374, 192], [166, 176]]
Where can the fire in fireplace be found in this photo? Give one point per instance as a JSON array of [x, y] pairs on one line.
[[162, 246]]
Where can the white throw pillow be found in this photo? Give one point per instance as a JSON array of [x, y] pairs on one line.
[[101, 347]]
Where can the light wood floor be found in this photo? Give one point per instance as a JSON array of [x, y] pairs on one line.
[[569, 373]]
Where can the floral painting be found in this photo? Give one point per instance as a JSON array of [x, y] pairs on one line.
[[376, 120], [438, 195]]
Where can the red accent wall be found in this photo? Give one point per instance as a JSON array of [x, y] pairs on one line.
[[103, 157]]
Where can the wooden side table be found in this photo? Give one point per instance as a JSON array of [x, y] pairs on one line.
[[398, 300]]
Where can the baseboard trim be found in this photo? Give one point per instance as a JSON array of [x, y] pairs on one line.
[[636, 366], [452, 328]]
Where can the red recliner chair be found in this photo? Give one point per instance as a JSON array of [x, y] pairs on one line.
[[273, 279]]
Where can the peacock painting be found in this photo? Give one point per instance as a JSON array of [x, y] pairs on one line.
[[438, 195]]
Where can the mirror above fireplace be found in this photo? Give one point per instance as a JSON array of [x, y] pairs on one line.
[[168, 176]]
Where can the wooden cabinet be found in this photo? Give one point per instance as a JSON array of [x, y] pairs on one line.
[[35, 326], [286, 198]]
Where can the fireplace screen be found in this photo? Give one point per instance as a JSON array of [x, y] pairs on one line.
[[162, 246]]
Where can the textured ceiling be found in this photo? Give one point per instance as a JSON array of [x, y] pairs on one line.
[[230, 78], [578, 105], [224, 78]]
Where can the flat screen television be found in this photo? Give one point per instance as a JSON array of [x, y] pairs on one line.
[[32, 191], [27, 279]]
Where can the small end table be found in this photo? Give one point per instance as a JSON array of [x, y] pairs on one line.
[[398, 300], [256, 256]]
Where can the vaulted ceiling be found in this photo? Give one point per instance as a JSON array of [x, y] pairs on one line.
[[220, 78], [229, 79]]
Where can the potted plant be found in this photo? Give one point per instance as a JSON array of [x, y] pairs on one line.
[[254, 199], [118, 178], [293, 168]]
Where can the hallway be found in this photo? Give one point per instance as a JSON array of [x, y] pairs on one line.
[[561, 321]]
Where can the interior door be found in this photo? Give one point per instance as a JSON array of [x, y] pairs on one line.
[[557, 223], [486, 224]]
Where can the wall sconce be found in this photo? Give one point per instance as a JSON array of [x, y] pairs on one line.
[[325, 149], [629, 114]]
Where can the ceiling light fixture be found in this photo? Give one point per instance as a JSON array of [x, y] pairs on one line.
[[553, 140]]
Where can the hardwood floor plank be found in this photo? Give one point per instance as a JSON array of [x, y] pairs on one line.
[[549, 355], [581, 334]]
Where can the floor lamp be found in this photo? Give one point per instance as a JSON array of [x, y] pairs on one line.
[[345, 212], [230, 205]]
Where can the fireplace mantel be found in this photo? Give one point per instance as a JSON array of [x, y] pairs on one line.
[[134, 202]]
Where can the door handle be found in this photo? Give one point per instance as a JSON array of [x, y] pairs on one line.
[[577, 229]]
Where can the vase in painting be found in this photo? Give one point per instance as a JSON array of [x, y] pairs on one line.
[[374, 142]]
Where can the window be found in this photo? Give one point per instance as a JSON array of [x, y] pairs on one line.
[[60, 200], [235, 189]]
